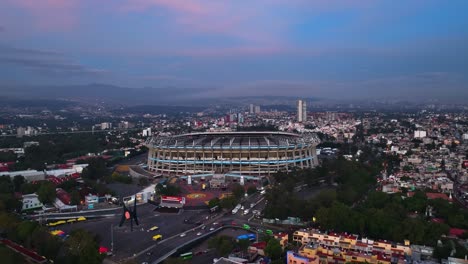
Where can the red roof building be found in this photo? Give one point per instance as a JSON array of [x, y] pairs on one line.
[[63, 196], [457, 232]]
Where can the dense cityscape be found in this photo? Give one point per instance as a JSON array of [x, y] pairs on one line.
[[233, 132], [213, 176]]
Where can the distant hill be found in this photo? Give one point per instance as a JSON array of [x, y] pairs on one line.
[[117, 95]]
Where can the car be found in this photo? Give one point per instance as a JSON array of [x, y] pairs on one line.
[[211, 229], [203, 227], [242, 208], [199, 253], [215, 223], [153, 228], [199, 233], [183, 234], [149, 253], [157, 237]]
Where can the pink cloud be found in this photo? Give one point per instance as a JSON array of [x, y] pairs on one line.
[[50, 14]]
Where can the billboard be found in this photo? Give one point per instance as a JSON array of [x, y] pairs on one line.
[[173, 199]]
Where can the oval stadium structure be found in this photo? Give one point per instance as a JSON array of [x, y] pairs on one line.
[[246, 153]]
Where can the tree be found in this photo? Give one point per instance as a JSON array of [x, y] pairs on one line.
[[25, 229], [238, 191], [168, 189], [96, 169], [174, 261], [75, 198], [143, 181], [83, 248], [214, 202], [251, 190], [6, 186], [273, 249], [223, 244], [18, 181], [243, 244], [228, 202], [47, 192], [9, 256]]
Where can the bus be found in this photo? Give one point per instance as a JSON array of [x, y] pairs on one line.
[[250, 237], [186, 256], [236, 209]]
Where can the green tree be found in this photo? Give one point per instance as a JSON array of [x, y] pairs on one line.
[[18, 181], [273, 249], [168, 189], [174, 261], [45, 244], [75, 198], [238, 191], [28, 188], [223, 244], [9, 256], [25, 229], [243, 244], [96, 169], [228, 202], [83, 247], [251, 190], [214, 202], [143, 181], [47, 192], [6, 185]]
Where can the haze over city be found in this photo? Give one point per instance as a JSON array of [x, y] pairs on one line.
[[208, 49]]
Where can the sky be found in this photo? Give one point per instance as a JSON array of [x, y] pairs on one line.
[[336, 49]]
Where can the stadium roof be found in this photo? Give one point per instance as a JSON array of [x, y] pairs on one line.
[[234, 139]]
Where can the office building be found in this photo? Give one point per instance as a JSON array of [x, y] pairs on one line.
[[301, 111]]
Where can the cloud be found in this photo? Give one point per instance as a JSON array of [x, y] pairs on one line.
[[8, 50], [54, 15], [44, 61]]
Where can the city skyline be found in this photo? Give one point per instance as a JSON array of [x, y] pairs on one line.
[[206, 49]]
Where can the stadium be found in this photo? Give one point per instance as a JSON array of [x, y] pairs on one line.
[[241, 153]]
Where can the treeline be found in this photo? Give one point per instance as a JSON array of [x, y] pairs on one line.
[[55, 149], [352, 178], [80, 247], [355, 207]]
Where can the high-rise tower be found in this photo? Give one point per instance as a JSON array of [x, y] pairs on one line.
[[301, 111]]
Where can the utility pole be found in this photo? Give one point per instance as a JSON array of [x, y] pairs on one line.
[[112, 238]]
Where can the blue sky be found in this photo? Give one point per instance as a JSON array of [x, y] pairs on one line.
[[325, 48]]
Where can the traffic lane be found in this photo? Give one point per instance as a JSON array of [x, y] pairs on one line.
[[169, 225], [166, 246]]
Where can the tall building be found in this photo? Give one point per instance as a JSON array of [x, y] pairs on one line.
[[301, 111], [251, 109], [257, 109]]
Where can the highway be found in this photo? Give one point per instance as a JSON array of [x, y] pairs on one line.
[[138, 245], [165, 248]]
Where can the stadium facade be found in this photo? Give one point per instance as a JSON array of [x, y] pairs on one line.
[[245, 153]]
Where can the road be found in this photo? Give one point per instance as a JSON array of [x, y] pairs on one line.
[[213, 225], [127, 243], [139, 245]]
